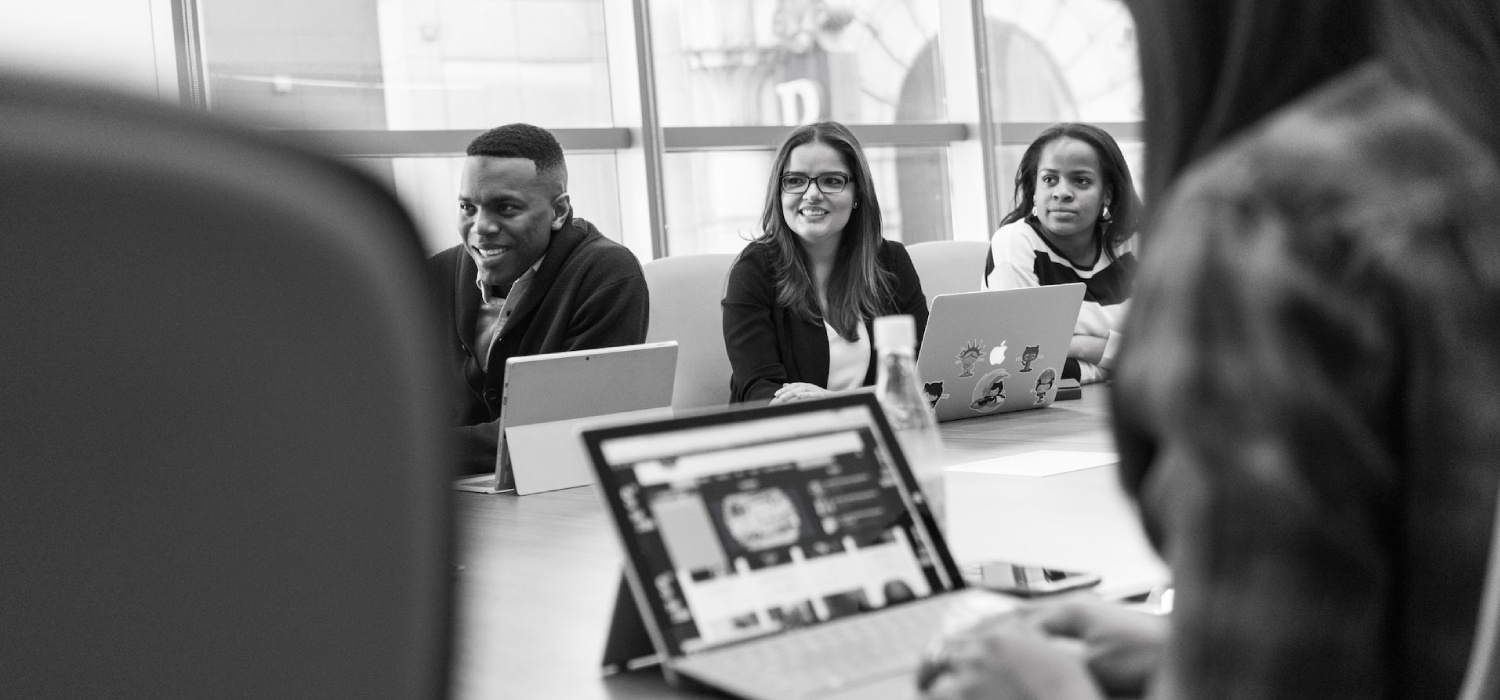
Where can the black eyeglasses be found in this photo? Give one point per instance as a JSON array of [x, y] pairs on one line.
[[828, 183]]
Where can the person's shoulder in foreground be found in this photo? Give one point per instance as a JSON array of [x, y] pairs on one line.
[[1344, 242]]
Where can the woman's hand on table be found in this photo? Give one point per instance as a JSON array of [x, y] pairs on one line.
[[799, 391]]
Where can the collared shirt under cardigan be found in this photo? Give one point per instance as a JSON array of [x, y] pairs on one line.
[[588, 293]]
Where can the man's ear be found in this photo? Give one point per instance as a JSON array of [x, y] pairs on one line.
[[562, 209]]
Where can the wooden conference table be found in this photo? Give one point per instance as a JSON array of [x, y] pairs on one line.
[[538, 574]]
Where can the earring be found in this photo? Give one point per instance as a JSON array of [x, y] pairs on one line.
[[856, 204], [1033, 211], [1105, 215]]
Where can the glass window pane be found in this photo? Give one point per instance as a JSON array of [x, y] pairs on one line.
[[429, 189], [913, 187], [714, 198], [407, 64], [1063, 60], [784, 62]]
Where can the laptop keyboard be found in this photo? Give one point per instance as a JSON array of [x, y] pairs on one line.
[[811, 661]]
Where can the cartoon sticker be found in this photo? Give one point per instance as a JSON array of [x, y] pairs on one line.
[[1044, 382], [989, 393], [969, 355], [1029, 355], [933, 392]]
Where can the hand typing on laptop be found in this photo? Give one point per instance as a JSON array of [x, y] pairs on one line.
[[1004, 658], [1075, 647]]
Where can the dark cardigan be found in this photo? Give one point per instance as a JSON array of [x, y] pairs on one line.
[[770, 346], [589, 293]]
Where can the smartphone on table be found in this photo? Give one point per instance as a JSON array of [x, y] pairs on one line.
[[1026, 580]]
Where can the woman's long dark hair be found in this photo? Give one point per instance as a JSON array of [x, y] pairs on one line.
[[1450, 51], [1210, 69], [858, 285], [1125, 204]]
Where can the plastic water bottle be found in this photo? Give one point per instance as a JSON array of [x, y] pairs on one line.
[[899, 390]]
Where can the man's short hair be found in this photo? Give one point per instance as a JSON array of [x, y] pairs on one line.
[[524, 141]]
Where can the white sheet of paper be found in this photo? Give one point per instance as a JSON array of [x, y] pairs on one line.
[[1037, 463]]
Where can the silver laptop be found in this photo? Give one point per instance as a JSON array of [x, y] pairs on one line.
[[997, 351], [778, 551], [549, 397]]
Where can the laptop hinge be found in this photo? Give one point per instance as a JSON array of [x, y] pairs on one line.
[[628, 646]]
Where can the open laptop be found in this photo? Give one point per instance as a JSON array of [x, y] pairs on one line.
[[779, 551], [997, 351], [549, 397]]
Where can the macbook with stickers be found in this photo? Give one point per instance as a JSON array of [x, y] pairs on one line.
[[549, 397], [997, 351], [777, 551]]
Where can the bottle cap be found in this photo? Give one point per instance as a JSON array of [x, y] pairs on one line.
[[895, 332]]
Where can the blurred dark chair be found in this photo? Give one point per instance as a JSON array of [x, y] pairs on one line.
[[221, 453]]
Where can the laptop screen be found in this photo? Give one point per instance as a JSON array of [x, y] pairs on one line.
[[751, 522]]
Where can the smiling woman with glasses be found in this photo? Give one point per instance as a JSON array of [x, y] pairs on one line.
[[802, 296]]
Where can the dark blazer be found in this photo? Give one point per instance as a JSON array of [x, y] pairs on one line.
[[589, 293], [770, 346]]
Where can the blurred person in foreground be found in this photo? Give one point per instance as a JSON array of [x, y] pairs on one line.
[[528, 278], [1307, 411]]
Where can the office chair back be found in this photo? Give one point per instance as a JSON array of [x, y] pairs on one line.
[[222, 451], [948, 267], [685, 295]]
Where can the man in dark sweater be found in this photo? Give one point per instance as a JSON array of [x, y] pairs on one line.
[[528, 278]]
